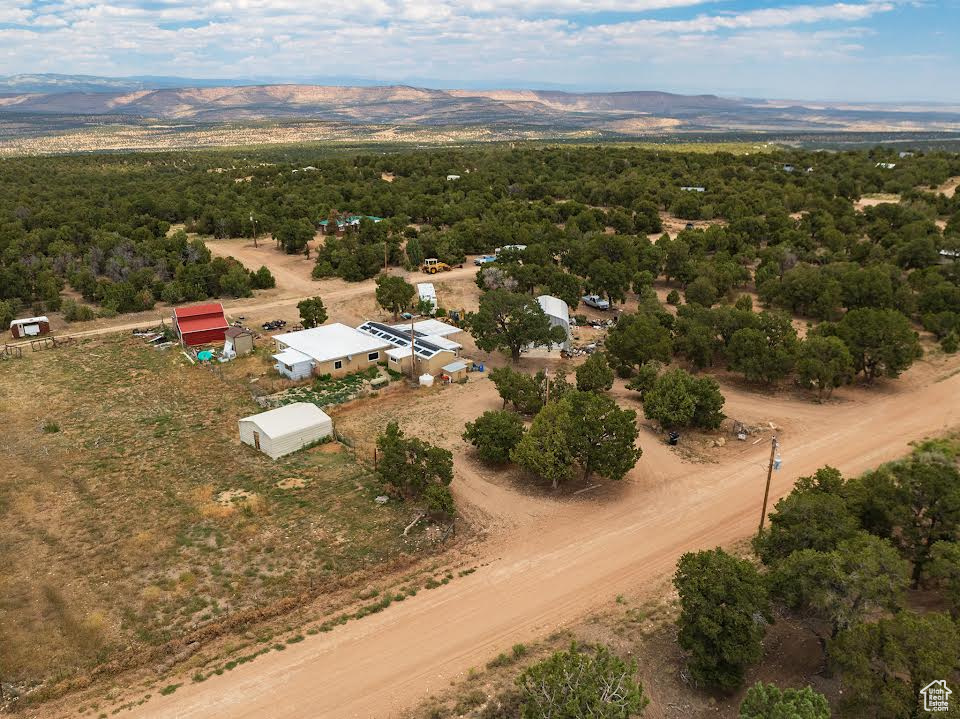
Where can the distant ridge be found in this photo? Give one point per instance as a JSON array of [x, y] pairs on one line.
[[627, 113]]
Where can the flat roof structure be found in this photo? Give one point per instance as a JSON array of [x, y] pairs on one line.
[[330, 342]]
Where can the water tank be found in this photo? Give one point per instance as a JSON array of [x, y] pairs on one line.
[[426, 380]]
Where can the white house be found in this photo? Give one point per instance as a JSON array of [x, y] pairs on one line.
[[693, 188], [286, 429], [427, 293], [886, 165], [450, 178], [333, 349], [558, 313]]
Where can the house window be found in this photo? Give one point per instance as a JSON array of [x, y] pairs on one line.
[[395, 360], [338, 364], [373, 356]]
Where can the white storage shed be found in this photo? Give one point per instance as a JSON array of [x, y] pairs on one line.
[[559, 315], [427, 293], [286, 429]]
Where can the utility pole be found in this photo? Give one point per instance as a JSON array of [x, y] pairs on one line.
[[413, 351], [766, 492], [254, 223]]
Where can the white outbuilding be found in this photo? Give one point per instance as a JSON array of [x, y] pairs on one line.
[[427, 293], [558, 313], [285, 429]]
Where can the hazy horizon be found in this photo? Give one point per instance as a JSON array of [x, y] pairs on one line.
[[173, 82]]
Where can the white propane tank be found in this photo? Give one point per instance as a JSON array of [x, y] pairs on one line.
[[426, 380]]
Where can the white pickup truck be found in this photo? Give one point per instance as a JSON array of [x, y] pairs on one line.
[[595, 301]]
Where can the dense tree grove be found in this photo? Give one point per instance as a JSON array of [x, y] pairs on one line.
[[101, 225], [844, 552]]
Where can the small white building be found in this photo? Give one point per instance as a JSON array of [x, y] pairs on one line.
[[29, 327], [427, 293], [286, 429], [558, 313], [886, 165], [693, 188], [451, 178]]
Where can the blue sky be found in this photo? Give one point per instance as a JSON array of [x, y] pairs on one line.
[[883, 50]]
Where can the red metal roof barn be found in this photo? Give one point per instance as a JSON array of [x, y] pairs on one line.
[[200, 324]]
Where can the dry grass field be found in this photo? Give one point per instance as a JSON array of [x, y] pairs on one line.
[[133, 517]]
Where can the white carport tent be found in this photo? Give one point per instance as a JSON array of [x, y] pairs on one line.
[[285, 429], [558, 313]]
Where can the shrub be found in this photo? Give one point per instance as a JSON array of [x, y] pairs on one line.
[[581, 682], [495, 434], [677, 399], [723, 606], [75, 312]]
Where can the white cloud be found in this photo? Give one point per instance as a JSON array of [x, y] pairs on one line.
[[454, 41]]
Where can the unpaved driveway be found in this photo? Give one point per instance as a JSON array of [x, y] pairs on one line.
[[345, 301], [552, 569]]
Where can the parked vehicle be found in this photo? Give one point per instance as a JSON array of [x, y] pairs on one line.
[[595, 301], [484, 259]]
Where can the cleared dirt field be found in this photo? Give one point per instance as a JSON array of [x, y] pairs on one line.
[[673, 226], [550, 559], [876, 199], [133, 516], [949, 188]]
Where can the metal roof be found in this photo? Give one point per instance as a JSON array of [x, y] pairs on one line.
[[289, 419], [554, 307], [329, 342], [455, 367], [196, 310], [29, 321]]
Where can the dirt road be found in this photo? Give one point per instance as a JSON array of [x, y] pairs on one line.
[[565, 561], [282, 302]]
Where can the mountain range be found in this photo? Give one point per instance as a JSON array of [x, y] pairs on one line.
[[625, 113]]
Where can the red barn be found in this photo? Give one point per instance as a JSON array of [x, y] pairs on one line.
[[200, 324]]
